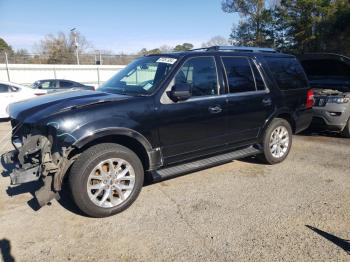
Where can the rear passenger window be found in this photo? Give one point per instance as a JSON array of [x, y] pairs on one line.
[[66, 84], [239, 74], [287, 72]]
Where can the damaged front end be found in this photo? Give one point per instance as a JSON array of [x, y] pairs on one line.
[[38, 156]]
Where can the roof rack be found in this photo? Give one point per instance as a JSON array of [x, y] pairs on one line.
[[237, 49]]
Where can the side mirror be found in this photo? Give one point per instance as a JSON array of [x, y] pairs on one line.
[[180, 92]]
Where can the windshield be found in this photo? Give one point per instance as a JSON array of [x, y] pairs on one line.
[[140, 77], [35, 84]]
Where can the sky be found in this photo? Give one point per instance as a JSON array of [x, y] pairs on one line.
[[118, 26]]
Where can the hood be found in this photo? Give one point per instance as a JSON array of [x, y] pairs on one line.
[[48, 105], [326, 70]]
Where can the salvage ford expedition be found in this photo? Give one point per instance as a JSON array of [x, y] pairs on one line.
[[164, 115]]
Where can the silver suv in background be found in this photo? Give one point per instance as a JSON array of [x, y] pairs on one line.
[[329, 75]]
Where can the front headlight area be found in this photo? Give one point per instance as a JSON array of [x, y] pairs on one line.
[[338, 100]]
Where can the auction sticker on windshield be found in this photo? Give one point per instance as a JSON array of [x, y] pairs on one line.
[[167, 60]]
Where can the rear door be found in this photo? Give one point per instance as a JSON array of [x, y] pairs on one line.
[[291, 80], [249, 100]]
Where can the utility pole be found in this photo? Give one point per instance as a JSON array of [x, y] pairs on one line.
[[76, 45], [7, 67]]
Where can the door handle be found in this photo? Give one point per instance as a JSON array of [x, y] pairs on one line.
[[215, 109], [267, 101]]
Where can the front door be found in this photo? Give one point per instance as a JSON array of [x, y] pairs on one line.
[[193, 127]]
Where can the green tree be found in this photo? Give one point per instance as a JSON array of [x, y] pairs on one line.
[[299, 24], [334, 31], [254, 28], [183, 47], [5, 46], [215, 41], [144, 51]]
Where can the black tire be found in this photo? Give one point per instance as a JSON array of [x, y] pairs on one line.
[[267, 156], [82, 168], [346, 130]]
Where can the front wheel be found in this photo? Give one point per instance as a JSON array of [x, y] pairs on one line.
[[106, 179], [277, 141]]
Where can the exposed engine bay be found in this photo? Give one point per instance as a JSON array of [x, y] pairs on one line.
[[324, 96], [332, 92]]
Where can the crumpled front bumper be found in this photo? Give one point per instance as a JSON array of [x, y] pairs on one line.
[[32, 160]]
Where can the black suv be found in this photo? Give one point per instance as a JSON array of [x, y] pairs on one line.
[[164, 114]]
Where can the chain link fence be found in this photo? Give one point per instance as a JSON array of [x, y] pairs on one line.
[[84, 59]]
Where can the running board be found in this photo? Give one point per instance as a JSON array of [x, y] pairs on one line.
[[181, 169]]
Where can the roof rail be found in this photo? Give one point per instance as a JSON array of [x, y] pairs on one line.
[[237, 49]]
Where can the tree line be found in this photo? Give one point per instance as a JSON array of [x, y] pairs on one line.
[[60, 49], [296, 26], [293, 26]]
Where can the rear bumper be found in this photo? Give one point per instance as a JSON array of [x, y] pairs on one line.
[[4, 115], [319, 123], [332, 116]]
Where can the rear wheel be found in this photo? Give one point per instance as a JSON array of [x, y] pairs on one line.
[[277, 141], [346, 130], [106, 179]]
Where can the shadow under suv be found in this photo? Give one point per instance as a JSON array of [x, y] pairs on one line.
[[166, 114]]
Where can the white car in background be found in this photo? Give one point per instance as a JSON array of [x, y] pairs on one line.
[[11, 92]]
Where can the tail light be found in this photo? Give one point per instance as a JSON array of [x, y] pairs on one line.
[[310, 98]]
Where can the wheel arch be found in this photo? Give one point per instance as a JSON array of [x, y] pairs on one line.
[[284, 114], [125, 137], [289, 118]]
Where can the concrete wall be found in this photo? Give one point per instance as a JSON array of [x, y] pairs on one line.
[[87, 74]]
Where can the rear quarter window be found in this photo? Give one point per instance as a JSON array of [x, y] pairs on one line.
[[66, 84], [287, 72]]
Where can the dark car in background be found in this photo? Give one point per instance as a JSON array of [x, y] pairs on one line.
[[164, 114], [329, 75], [56, 85]]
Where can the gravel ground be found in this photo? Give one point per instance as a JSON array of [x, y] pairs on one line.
[[295, 211]]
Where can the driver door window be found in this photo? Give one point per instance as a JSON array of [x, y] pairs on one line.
[[47, 85], [200, 74]]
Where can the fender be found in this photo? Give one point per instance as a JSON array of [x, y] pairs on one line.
[[154, 154], [113, 131]]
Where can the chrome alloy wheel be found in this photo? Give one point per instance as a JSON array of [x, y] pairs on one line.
[[111, 182], [279, 142]]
